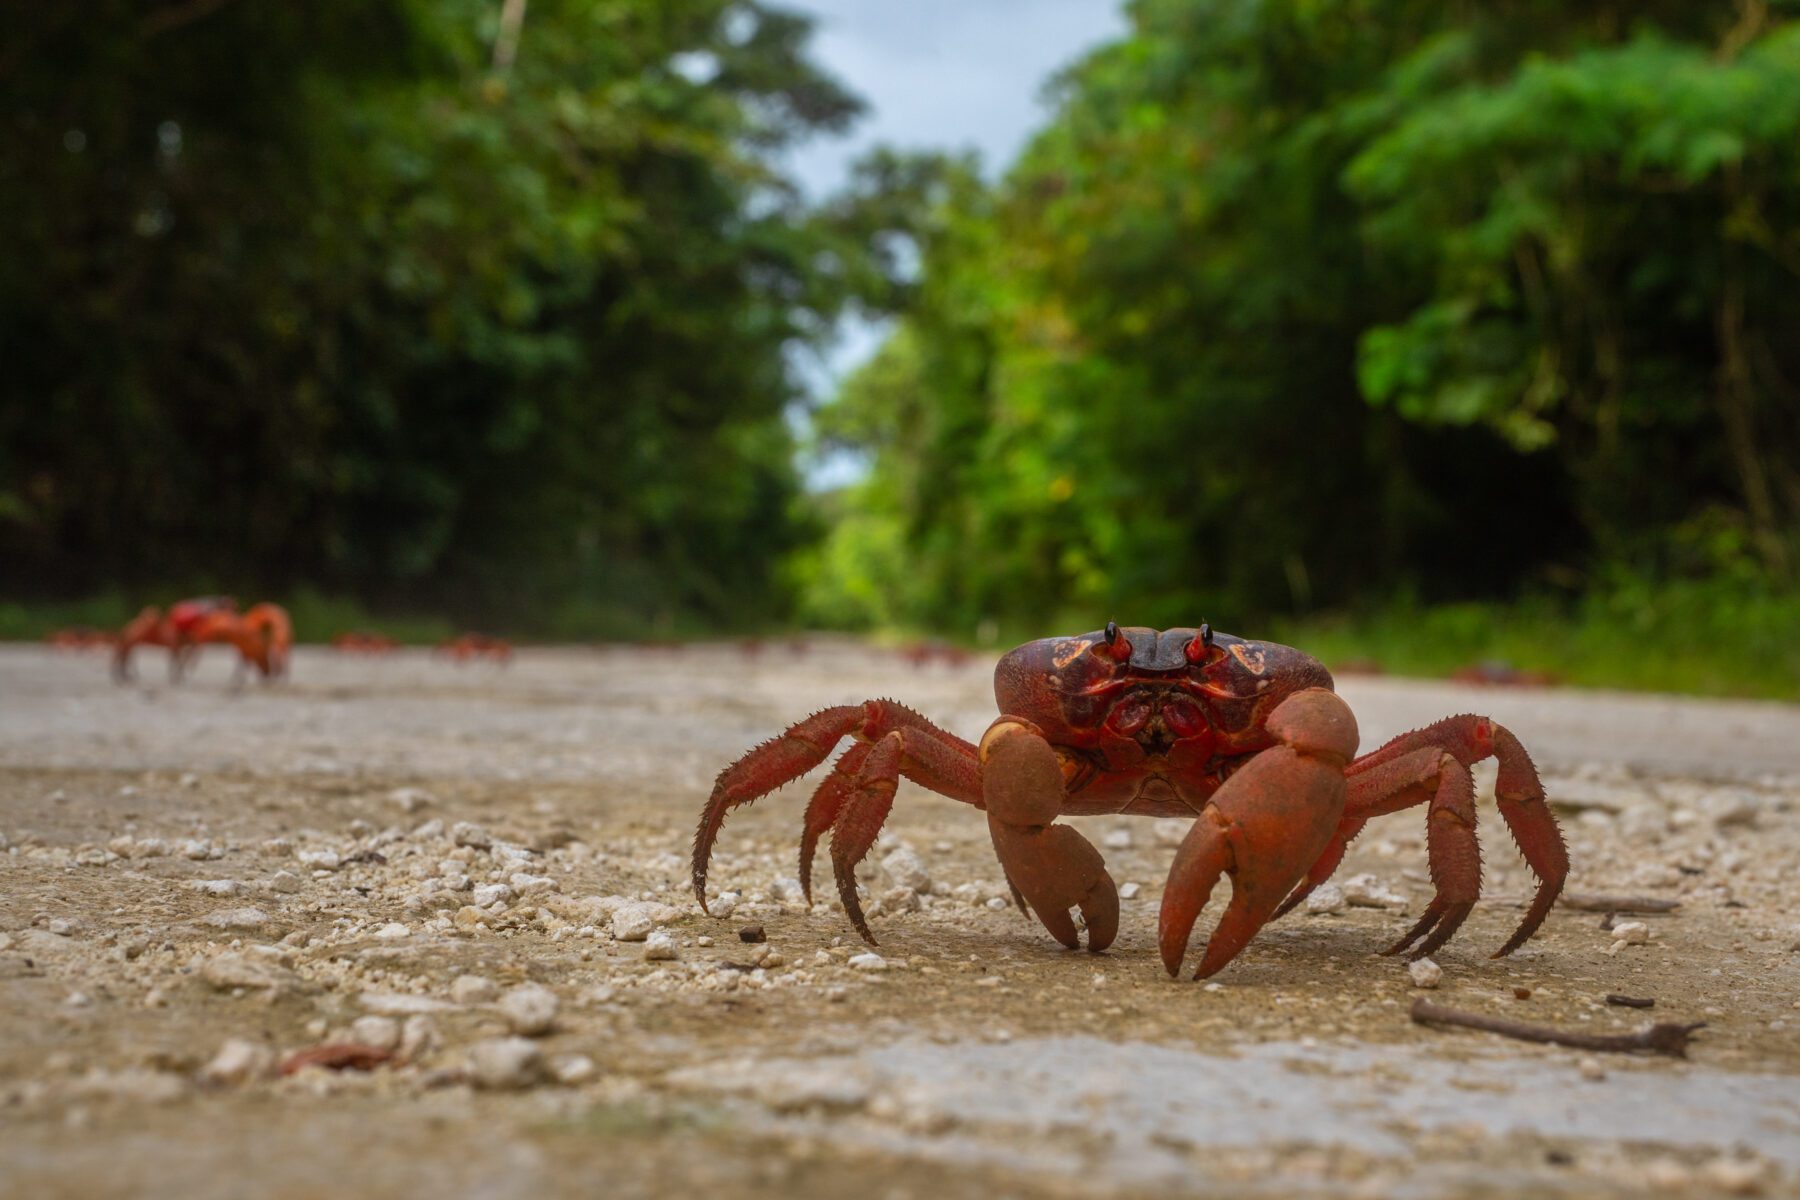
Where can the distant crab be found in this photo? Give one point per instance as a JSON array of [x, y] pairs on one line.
[[1245, 738]]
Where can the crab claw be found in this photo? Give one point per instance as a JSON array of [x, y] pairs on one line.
[[1267, 824]]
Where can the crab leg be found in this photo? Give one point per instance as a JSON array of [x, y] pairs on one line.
[[933, 758], [1268, 822], [1402, 773], [1050, 868]]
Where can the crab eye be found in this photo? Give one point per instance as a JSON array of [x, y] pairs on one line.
[[1118, 648], [1196, 650]]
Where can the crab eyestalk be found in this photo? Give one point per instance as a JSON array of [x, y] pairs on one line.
[[1197, 650], [1118, 647]]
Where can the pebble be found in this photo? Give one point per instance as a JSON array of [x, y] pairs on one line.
[[660, 947], [489, 894], [1129, 891], [787, 891], [467, 833], [319, 860], [530, 1009], [1171, 833], [411, 799], [573, 1069], [900, 899], [724, 904], [752, 934], [1117, 839], [63, 926], [401, 1004], [527, 885], [473, 989], [997, 903], [418, 1037], [1631, 933], [633, 921], [1425, 973], [1591, 1068], [238, 1061], [229, 972], [393, 931], [1326, 899], [1366, 891], [381, 1032], [868, 962], [505, 1064], [904, 868], [238, 918], [285, 882], [216, 887]]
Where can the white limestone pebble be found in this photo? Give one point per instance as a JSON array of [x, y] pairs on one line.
[[787, 891], [319, 860], [660, 947], [489, 894], [467, 833], [229, 972], [997, 903], [473, 989], [724, 904], [1366, 891], [381, 1032], [393, 931], [285, 882], [633, 921], [904, 868], [530, 1009], [1117, 839], [529, 885], [505, 1064], [238, 1061], [1327, 898], [1425, 973], [250, 918], [1632, 933], [868, 962], [573, 1069], [1129, 891], [900, 899], [217, 887], [1591, 1068]]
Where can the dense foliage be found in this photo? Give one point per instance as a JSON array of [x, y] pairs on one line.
[[1297, 303], [398, 300]]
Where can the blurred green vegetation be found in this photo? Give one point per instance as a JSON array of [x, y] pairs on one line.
[[1413, 332], [1365, 307]]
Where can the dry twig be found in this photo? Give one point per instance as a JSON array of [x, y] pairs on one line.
[[1630, 1001], [1662, 1038], [1601, 902]]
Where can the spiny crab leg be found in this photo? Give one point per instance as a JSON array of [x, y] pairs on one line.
[[1433, 763], [854, 799], [1263, 827]]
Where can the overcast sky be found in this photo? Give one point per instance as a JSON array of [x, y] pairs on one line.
[[946, 74], [939, 74]]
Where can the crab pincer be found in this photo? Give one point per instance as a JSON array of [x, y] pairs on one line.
[[1264, 827]]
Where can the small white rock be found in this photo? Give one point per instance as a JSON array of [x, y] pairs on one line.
[[319, 860], [724, 904], [904, 868], [238, 1061], [489, 894], [1631, 933], [1425, 973], [217, 887], [238, 918], [418, 1037], [527, 885], [530, 1009], [1117, 839], [1366, 891], [1591, 1068], [393, 931], [633, 920], [1325, 899], [573, 1069], [660, 947], [473, 989], [505, 1064], [1129, 891], [787, 891], [285, 882], [997, 903], [868, 962], [381, 1032], [467, 833], [900, 899]]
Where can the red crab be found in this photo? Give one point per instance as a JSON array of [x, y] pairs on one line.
[[1246, 738]]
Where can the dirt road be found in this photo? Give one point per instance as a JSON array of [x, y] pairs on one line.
[[482, 872]]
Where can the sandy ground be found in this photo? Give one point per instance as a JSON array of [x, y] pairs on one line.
[[456, 864]]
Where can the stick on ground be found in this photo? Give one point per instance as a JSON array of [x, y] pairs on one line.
[[1663, 1038], [1601, 902]]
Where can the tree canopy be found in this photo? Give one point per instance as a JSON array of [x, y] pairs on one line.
[[1293, 303]]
